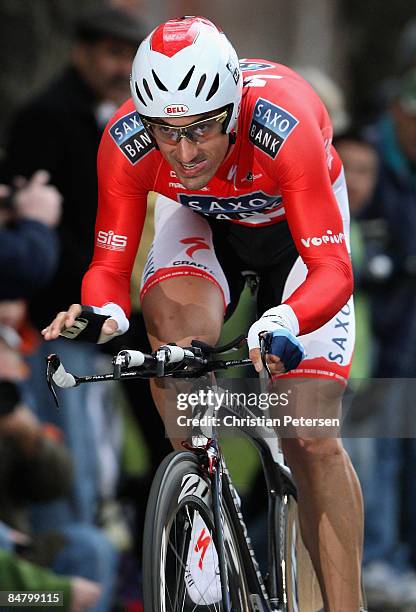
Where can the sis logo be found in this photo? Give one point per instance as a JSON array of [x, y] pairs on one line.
[[111, 241]]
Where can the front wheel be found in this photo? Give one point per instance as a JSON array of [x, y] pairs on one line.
[[180, 556]]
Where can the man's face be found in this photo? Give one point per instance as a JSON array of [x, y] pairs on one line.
[[405, 124], [360, 165], [106, 65], [194, 163]]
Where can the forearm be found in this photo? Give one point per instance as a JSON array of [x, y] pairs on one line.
[[325, 291], [102, 286]]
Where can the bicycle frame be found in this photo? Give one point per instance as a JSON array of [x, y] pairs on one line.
[[265, 595], [278, 483]]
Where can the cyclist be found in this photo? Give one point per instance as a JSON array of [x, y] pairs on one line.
[[241, 156]]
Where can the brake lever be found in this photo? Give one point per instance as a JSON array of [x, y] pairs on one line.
[[160, 363], [117, 363], [52, 362], [265, 345]]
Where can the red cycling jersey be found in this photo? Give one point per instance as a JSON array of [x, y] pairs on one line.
[[282, 166]]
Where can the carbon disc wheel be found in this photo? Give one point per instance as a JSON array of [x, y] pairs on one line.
[[180, 558]]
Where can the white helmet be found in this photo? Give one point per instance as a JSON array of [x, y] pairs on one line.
[[186, 67]]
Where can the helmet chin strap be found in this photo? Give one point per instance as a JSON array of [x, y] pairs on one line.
[[232, 137]]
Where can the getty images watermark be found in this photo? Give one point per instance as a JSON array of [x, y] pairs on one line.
[[210, 408]]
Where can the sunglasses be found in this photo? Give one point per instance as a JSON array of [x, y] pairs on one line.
[[197, 132]]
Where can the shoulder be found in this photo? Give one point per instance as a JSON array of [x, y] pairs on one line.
[[280, 107], [278, 87], [126, 136], [127, 152]]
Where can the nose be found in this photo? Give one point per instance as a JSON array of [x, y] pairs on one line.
[[186, 150]]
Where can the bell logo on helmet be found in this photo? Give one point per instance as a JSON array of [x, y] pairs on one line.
[[176, 110]]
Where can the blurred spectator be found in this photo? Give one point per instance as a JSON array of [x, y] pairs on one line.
[[34, 466], [19, 575], [406, 47], [61, 129], [389, 573], [330, 93], [395, 201], [360, 161], [28, 243]]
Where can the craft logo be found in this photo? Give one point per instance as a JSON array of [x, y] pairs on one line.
[[129, 134], [270, 127]]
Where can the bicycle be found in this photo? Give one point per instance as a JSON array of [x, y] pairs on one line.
[[193, 506]]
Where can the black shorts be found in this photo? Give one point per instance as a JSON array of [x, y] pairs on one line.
[[189, 244]]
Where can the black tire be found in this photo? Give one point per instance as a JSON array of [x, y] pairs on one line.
[[179, 499], [299, 583]]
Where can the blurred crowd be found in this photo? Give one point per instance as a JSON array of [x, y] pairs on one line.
[[70, 513], [379, 159]]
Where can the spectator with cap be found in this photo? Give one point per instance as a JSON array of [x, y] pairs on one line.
[[59, 130]]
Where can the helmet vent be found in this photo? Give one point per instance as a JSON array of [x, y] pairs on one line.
[[147, 88], [186, 80], [200, 85], [139, 95], [158, 82], [214, 87]]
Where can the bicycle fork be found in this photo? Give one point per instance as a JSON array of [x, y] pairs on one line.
[[215, 476]]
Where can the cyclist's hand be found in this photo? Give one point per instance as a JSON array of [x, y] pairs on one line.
[[66, 320], [37, 200], [84, 594], [285, 352], [275, 364]]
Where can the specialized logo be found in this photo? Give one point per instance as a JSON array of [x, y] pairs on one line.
[[192, 484], [176, 110], [130, 135], [202, 545], [197, 243], [246, 65], [111, 241], [230, 208], [328, 238], [270, 127]]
